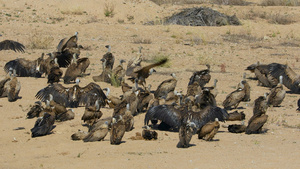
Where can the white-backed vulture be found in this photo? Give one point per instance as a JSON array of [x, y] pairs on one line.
[[44, 124], [186, 131], [25, 68], [117, 130], [209, 130], [166, 87], [146, 71], [276, 95], [35, 110], [235, 97], [73, 96], [97, 134], [202, 77]]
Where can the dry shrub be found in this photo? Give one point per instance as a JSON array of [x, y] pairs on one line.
[[223, 67], [142, 41], [73, 11], [161, 2], [237, 38], [109, 10], [280, 3], [40, 42], [255, 14], [230, 2], [280, 19]]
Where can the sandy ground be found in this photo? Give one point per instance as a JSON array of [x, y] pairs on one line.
[[188, 48]]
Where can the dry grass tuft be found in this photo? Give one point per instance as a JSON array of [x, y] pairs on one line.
[[230, 2], [280, 3], [280, 19], [40, 42], [142, 41], [73, 11], [109, 10]]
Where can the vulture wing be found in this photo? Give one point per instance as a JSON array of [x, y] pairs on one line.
[[12, 45], [165, 113]]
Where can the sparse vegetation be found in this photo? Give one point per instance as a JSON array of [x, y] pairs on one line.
[[142, 41], [109, 10], [280, 3], [160, 57], [37, 41], [282, 19], [73, 11]]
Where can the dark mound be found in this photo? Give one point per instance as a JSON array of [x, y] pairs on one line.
[[202, 17]]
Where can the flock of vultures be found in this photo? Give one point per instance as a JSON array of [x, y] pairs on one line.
[[195, 112]]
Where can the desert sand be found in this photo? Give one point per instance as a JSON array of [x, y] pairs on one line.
[[188, 48]]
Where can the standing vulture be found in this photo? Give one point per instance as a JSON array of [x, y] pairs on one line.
[[166, 87], [235, 97], [202, 77], [277, 94]]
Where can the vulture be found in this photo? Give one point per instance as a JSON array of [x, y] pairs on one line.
[[12, 87], [246, 88], [35, 110], [117, 130], [194, 89], [97, 134], [118, 74], [128, 118], [148, 134], [105, 76], [144, 98], [202, 77], [57, 108], [209, 130], [77, 67], [186, 130], [134, 64], [79, 135], [25, 68], [259, 117], [44, 124], [68, 43], [68, 115], [92, 114], [109, 58], [276, 95], [166, 87], [236, 116], [262, 73], [73, 96], [205, 99], [54, 75], [143, 73], [237, 128], [12, 45], [112, 101], [235, 97], [170, 116], [64, 58]]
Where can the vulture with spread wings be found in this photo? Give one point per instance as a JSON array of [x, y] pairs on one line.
[[171, 116], [73, 96], [12, 45]]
